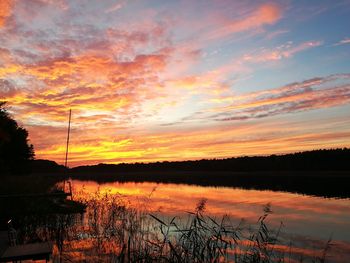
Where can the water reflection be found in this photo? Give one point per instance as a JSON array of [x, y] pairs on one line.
[[309, 221], [301, 213]]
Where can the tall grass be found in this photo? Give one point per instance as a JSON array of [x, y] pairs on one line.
[[112, 231]]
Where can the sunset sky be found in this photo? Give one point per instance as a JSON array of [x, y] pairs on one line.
[[176, 80]]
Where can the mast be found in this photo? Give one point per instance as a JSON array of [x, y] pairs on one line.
[[68, 132]]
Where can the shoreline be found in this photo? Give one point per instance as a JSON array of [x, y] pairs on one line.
[[317, 183]]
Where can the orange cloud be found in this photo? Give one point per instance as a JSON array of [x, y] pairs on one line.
[[78, 81], [6, 7], [116, 142]]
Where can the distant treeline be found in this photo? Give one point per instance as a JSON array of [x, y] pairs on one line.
[[320, 172], [316, 160]]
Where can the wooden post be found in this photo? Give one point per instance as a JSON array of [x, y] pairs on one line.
[[70, 190], [67, 145], [70, 115]]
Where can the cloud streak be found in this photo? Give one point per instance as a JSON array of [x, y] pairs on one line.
[[315, 93], [342, 42], [281, 52]]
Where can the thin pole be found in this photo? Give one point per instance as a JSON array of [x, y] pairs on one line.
[[70, 116]]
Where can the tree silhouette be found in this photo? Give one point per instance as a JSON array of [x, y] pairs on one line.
[[15, 150]]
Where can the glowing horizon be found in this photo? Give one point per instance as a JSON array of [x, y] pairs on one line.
[[179, 80]]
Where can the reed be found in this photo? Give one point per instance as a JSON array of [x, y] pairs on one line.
[[112, 230]]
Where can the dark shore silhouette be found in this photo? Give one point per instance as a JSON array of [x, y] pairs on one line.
[[316, 160], [320, 172]]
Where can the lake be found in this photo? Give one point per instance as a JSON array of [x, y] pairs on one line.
[[308, 221]]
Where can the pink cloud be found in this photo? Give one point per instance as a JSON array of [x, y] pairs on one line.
[[284, 51], [5, 56], [266, 14], [308, 95], [114, 7], [342, 42]]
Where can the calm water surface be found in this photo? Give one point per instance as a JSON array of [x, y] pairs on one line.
[[308, 221]]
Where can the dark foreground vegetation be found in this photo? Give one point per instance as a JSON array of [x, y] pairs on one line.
[[23, 196], [105, 228], [112, 231]]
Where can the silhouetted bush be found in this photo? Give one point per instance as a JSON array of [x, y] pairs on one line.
[[15, 150], [46, 166]]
